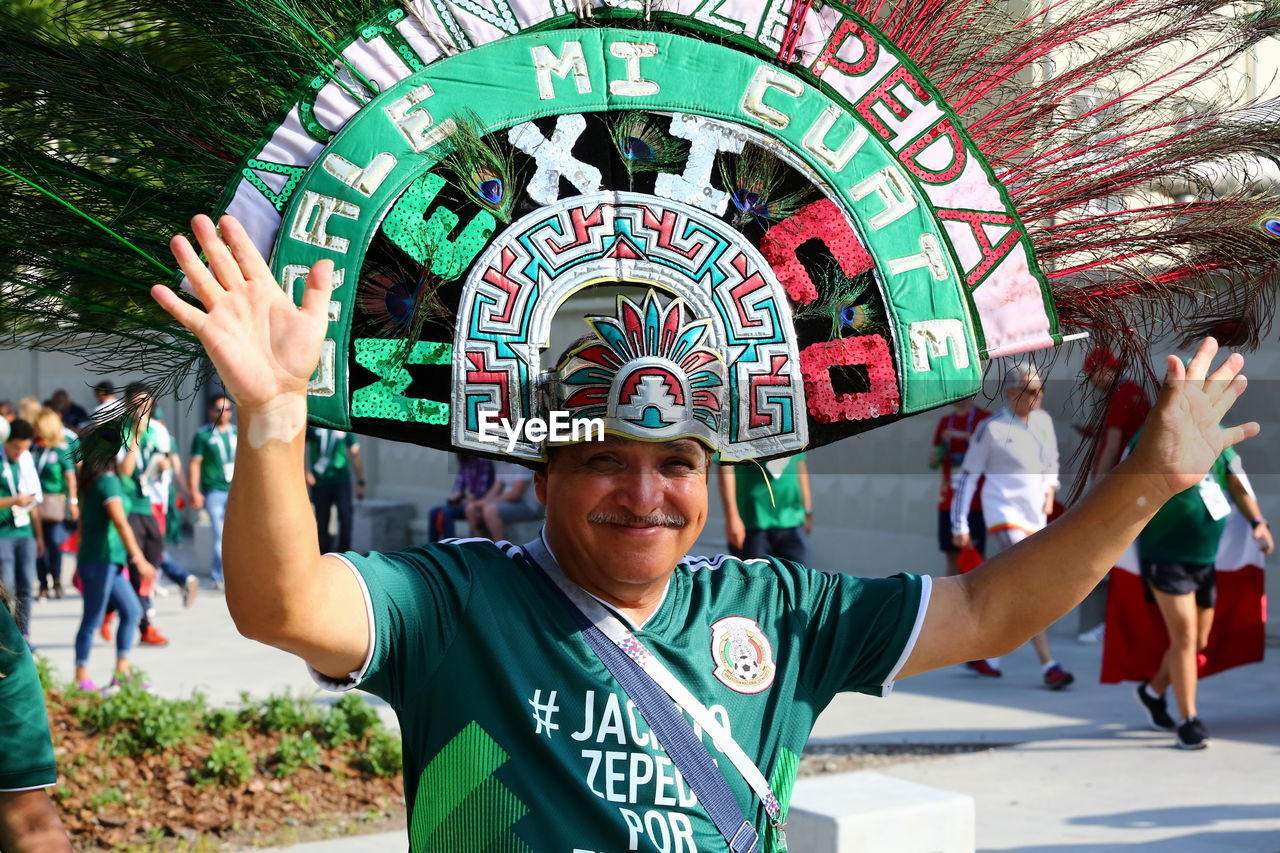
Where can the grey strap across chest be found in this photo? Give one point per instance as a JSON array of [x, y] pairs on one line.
[[653, 688]]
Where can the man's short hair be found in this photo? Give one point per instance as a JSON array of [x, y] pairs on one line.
[[20, 430], [1020, 374], [106, 386]]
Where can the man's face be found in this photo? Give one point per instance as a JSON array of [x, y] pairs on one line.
[[220, 411], [15, 447], [621, 513], [1027, 397], [1102, 377]]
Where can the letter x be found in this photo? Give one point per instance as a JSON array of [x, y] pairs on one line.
[[555, 158]]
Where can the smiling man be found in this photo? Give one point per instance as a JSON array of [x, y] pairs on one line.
[[534, 685]]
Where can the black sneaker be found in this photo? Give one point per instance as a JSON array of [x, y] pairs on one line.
[[1192, 735], [1157, 711]]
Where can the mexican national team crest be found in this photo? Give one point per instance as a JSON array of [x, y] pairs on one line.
[[742, 654]]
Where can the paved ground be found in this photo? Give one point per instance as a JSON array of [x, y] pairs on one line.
[[1077, 772]]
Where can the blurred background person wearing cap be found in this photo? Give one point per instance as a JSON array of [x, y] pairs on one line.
[[1127, 405]]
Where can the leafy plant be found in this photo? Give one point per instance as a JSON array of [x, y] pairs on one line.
[[106, 797], [381, 755], [295, 753], [284, 714], [46, 672], [229, 763], [221, 722]]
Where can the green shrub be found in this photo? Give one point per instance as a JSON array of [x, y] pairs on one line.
[[148, 723], [296, 753], [284, 714], [229, 763], [105, 797], [46, 672], [221, 722], [350, 718], [381, 755]]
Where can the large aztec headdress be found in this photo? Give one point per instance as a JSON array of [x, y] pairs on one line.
[[839, 210]]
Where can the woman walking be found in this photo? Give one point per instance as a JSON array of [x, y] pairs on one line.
[[107, 545], [60, 510]]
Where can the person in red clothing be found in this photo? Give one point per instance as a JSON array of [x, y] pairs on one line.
[[950, 443], [1127, 408]]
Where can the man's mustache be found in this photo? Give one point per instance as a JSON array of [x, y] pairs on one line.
[[657, 519]]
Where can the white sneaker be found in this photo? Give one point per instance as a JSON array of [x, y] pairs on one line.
[[160, 591], [190, 590], [1093, 636]]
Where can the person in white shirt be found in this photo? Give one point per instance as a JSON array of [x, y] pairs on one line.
[[1016, 450]]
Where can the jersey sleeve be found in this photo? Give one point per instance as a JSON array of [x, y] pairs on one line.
[[415, 600], [26, 750], [859, 632], [197, 445], [109, 488]]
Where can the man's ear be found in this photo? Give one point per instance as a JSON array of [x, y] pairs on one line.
[[540, 484]]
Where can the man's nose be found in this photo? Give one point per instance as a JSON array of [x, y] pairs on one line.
[[641, 491]]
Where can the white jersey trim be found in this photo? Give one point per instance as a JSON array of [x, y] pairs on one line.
[[352, 681], [29, 788], [926, 591]]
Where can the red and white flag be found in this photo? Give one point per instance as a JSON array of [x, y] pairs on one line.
[[1135, 639]]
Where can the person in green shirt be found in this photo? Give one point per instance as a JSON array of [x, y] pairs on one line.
[[333, 457], [213, 460], [1176, 554], [768, 509], [516, 735], [29, 822], [60, 510], [21, 537], [107, 545]]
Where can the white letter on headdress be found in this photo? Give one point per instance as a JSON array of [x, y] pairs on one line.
[[815, 141], [634, 86], [571, 61], [412, 119], [892, 189], [320, 208], [937, 338], [767, 77], [930, 257], [554, 158], [364, 181], [694, 186]]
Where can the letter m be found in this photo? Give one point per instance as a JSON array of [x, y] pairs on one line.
[[570, 61]]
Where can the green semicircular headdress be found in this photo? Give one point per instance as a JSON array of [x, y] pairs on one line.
[[838, 210]]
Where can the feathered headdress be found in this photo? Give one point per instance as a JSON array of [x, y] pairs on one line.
[[861, 201]]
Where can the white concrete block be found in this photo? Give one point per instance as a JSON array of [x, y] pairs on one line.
[[868, 812]]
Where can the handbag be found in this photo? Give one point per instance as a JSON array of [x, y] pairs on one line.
[[53, 508]]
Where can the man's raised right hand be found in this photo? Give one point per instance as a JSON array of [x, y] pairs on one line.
[[262, 345]]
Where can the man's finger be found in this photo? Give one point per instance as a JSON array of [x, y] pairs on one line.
[[1237, 434], [315, 297], [217, 255], [252, 265], [1228, 369], [1229, 395], [191, 317], [205, 286], [1198, 367]]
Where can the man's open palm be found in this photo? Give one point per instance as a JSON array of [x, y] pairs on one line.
[[262, 345]]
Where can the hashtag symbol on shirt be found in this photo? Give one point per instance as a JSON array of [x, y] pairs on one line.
[[544, 713]]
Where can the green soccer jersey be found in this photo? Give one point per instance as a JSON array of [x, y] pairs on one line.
[[15, 522], [99, 541], [516, 736], [26, 751], [136, 498], [55, 465], [217, 451], [1184, 530], [765, 504], [329, 455]]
